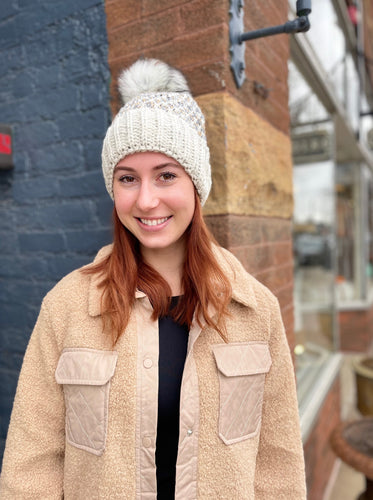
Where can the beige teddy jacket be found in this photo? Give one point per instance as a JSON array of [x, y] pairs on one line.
[[85, 414]]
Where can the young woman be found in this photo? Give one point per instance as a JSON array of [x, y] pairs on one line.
[[162, 369]]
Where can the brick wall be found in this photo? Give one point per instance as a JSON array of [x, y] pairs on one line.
[[319, 456], [194, 36], [54, 211], [356, 330], [263, 245]]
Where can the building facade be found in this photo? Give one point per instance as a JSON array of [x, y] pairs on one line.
[[55, 212], [292, 189]]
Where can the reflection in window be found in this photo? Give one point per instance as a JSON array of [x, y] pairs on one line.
[[312, 133], [304, 105], [352, 92], [328, 42], [326, 37], [313, 241], [366, 124], [370, 237], [347, 193]]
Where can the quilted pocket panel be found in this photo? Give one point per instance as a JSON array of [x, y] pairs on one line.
[[241, 368], [85, 375]]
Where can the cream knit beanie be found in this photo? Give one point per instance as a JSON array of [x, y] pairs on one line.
[[159, 114]]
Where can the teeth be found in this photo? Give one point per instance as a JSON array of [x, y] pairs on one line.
[[153, 222]]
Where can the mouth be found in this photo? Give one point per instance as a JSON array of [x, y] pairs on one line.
[[154, 222]]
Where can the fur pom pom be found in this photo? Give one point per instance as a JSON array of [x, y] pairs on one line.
[[150, 75]]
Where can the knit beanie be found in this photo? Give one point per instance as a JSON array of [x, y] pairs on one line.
[[159, 114]]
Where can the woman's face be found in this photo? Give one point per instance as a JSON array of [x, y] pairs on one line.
[[154, 199]]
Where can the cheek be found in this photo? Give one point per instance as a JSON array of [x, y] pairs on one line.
[[185, 198], [122, 206], [183, 203], [122, 201]]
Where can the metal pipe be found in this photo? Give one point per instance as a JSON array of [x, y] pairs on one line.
[[300, 24]]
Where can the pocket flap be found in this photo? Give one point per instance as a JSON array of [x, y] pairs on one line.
[[80, 366], [242, 358]]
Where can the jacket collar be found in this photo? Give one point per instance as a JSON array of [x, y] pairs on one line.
[[241, 281]]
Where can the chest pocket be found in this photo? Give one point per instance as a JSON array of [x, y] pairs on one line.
[[242, 367], [85, 375]]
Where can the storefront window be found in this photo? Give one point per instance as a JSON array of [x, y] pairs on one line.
[[352, 92], [369, 268], [305, 108], [348, 196], [354, 193], [366, 124], [313, 231], [313, 239], [328, 42]]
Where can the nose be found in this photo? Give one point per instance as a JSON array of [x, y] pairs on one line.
[[147, 198]]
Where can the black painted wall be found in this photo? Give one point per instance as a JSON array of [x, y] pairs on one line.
[[54, 210]]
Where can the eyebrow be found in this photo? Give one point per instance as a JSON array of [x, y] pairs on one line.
[[156, 167]]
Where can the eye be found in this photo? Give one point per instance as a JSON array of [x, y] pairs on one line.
[[127, 179], [167, 176]]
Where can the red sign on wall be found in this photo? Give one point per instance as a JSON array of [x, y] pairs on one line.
[[6, 156], [5, 144]]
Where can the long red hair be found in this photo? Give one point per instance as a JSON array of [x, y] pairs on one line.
[[124, 271]]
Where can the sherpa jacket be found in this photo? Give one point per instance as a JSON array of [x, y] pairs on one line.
[[85, 414]]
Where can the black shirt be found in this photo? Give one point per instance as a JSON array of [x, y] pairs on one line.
[[173, 342]]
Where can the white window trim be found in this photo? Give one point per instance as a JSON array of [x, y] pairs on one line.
[[311, 404]]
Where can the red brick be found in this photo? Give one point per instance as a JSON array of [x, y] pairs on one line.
[[276, 278], [144, 33], [276, 230], [253, 258], [235, 230], [119, 12], [202, 47], [155, 6], [282, 253], [319, 456], [199, 14], [263, 15], [356, 330], [207, 77]]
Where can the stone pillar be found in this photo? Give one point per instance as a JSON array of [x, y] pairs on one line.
[[250, 207]]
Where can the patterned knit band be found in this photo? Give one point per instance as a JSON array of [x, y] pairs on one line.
[[165, 122]]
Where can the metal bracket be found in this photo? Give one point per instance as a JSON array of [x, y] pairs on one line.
[[237, 35], [237, 48]]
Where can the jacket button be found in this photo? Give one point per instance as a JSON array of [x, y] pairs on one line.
[[189, 432], [147, 442], [148, 363]]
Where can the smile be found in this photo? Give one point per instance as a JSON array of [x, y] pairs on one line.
[[154, 222]]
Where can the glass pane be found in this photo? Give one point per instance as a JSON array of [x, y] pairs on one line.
[[327, 39], [348, 263], [352, 92], [304, 105], [313, 240], [313, 146], [370, 237], [366, 123]]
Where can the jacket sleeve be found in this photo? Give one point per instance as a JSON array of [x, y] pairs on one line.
[[280, 463], [34, 452]]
